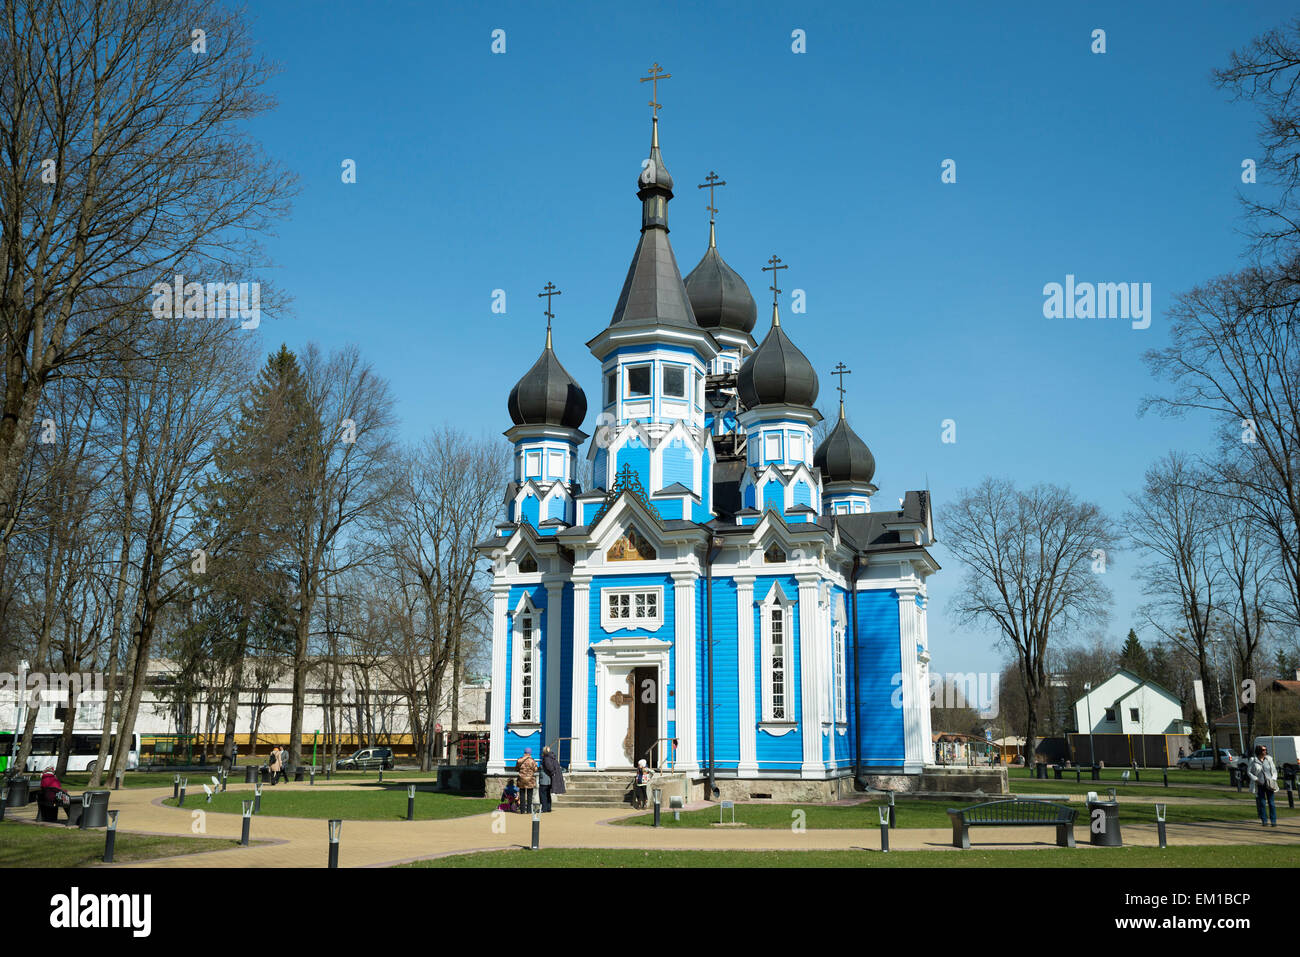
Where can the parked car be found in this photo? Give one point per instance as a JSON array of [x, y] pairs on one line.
[[1203, 759], [367, 759]]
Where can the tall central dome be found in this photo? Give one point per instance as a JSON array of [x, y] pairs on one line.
[[653, 290]]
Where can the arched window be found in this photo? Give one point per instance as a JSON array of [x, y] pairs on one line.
[[778, 632], [525, 662], [838, 629]]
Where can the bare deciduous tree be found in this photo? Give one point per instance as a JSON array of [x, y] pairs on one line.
[[125, 163], [1035, 562]]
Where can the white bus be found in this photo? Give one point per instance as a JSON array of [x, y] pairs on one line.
[[82, 756]]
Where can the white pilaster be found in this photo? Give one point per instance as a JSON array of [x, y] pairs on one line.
[[554, 625], [925, 679], [748, 766], [684, 699], [581, 619], [500, 678], [914, 748], [809, 678]]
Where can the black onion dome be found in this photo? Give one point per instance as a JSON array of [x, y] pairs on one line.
[[719, 297], [660, 176], [843, 457], [777, 373], [547, 394]]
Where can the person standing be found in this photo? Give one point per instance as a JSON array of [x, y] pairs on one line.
[[526, 770], [552, 779], [640, 781], [284, 763], [274, 764], [1263, 781]]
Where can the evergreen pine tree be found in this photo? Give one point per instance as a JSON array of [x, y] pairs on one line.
[[1133, 657]]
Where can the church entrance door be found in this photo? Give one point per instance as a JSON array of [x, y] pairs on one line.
[[645, 718], [632, 715]]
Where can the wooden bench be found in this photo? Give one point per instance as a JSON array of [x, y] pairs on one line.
[[1013, 813]]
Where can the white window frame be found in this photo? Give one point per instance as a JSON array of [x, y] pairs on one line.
[[664, 368], [796, 440], [776, 599], [627, 380], [529, 615], [841, 685], [555, 464], [532, 456], [768, 439], [644, 623]]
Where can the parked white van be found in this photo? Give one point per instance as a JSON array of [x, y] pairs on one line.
[[1283, 748]]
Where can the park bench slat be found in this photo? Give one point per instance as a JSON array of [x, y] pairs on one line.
[[1010, 813]]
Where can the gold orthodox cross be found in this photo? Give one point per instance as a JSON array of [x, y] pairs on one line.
[[711, 183], [656, 74], [841, 371], [772, 267]]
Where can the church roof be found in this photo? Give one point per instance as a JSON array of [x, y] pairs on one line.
[[843, 457], [653, 292], [777, 373], [719, 297], [547, 394]]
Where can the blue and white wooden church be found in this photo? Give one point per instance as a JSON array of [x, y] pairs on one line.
[[723, 597]]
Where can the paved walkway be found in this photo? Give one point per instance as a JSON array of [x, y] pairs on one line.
[[302, 842]]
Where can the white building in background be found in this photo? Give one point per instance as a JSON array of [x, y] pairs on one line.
[[376, 712], [1127, 704]]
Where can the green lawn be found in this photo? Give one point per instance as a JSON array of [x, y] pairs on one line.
[[26, 845], [1243, 856], [925, 814], [369, 804]]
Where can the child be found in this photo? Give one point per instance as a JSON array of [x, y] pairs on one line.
[[509, 798]]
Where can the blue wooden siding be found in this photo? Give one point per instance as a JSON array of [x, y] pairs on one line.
[[879, 663], [726, 710], [514, 744], [701, 512], [598, 468], [528, 510], [802, 494], [556, 508], [637, 456], [774, 496], [678, 465], [566, 675]]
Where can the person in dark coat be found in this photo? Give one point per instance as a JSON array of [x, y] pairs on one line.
[[552, 780]]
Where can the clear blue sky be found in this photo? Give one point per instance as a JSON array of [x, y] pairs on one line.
[[479, 171]]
